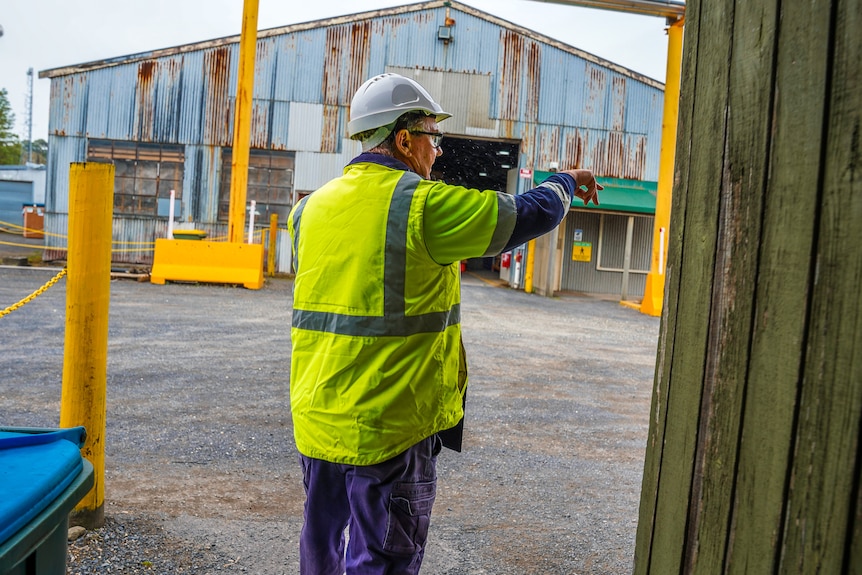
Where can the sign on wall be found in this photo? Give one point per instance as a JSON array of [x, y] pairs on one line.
[[582, 251]]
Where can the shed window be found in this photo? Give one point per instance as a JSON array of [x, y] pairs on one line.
[[270, 183], [144, 175], [612, 242]]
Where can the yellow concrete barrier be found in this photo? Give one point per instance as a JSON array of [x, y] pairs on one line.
[[208, 262]]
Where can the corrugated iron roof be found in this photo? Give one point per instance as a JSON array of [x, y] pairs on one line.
[[359, 44]]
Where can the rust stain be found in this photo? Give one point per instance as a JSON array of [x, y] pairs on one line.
[[608, 154], [329, 135], [533, 78], [68, 101], [260, 123], [261, 108], [636, 166], [618, 108], [510, 80], [573, 150], [145, 71], [348, 49], [528, 145], [360, 49], [615, 154], [595, 97], [520, 78], [218, 114], [145, 112], [549, 148]]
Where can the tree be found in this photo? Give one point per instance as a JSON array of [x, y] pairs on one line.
[[39, 151], [10, 146]]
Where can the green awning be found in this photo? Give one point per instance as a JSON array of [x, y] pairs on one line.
[[633, 196]]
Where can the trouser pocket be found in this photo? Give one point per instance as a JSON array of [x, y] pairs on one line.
[[409, 517]]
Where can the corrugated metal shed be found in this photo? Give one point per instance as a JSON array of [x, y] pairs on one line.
[[500, 80], [606, 232]]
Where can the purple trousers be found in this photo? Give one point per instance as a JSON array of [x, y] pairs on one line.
[[387, 507]]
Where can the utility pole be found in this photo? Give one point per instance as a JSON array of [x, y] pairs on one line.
[[30, 115]]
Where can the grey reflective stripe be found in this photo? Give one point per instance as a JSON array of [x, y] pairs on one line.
[[296, 215], [506, 216], [394, 322], [376, 326], [561, 192], [395, 264]]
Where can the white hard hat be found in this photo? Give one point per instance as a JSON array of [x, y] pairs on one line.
[[381, 100]]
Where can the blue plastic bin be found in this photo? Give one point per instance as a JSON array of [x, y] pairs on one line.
[[42, 478]]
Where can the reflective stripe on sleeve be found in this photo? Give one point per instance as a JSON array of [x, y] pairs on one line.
[[297, 214], [507, 214]]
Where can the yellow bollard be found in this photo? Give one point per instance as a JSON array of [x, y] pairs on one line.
[[273, 235], [528, 269], [88, 290], [654, 289]]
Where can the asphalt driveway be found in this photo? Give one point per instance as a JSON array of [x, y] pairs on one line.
[[202, 474]]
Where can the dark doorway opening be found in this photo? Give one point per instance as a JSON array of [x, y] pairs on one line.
[[480, 164]]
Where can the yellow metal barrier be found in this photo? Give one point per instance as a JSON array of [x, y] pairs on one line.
[[209, 262]]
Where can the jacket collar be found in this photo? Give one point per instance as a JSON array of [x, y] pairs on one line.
[[381, 159]]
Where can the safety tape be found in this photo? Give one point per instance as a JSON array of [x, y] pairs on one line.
[[151, 247], [33, 295]]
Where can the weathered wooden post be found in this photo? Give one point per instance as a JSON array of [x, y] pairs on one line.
[[753, 459]]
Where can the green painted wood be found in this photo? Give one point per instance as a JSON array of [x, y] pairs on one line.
[[824, 484], [754, 452], [734, 285], [782, 288], [658, 409], [854, 558], [695, 230]]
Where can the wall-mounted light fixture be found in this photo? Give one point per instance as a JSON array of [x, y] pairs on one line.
[[445, 31]]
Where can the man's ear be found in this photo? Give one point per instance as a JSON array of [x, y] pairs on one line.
[[402, 141]]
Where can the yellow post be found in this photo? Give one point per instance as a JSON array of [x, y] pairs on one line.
[[242, 122], [88, 290], [270, 258], [528, 267], [654, 290]]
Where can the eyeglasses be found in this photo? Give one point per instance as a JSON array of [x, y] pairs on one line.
[[436, 137]]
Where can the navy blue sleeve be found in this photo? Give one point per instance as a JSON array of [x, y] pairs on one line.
[[541, 209]]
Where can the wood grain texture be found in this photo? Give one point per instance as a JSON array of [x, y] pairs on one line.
[[754, 451], [824, 482]]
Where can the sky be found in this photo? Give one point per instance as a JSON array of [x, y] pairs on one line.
[[45, 34]]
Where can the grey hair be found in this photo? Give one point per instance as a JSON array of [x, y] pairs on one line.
[[408, 121]]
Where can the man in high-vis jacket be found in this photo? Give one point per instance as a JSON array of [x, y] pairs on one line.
[[378, 372]]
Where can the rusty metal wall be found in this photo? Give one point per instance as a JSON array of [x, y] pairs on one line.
[[501, 82]]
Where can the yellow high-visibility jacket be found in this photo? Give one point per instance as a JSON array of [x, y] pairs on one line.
[[377, 363]]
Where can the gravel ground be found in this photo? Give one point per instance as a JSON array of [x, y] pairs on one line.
[[202, 474]]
